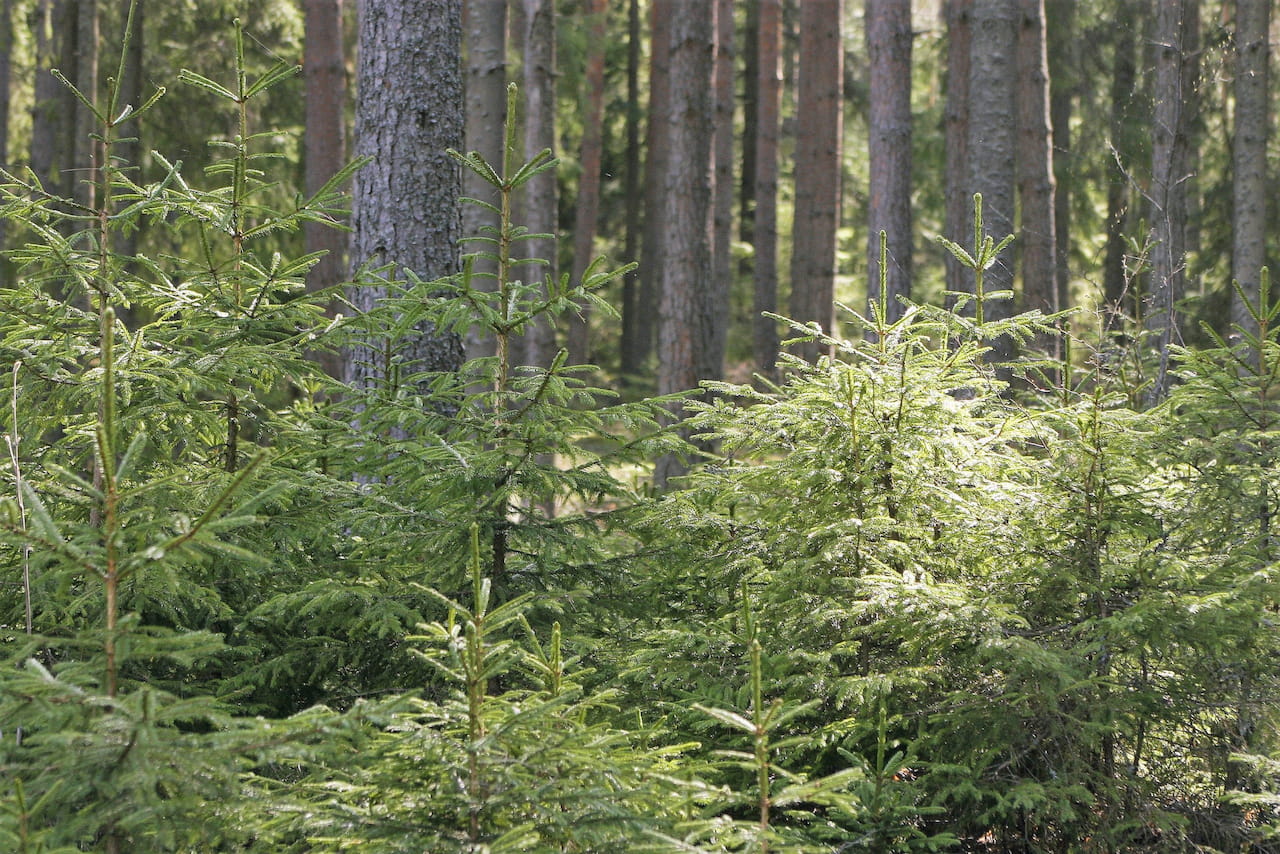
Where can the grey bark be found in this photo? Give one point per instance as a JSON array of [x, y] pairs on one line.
[[128, 151], [1063, 84], [655, 168], [485, 38], [1249, 155], [405, 203], [956, 141], [888, 30], [817, 202], [1167, 210], [1036, 185], [750, 111], [44, 102], [992, 70], [764, 336], [631, 355], [722, 254], [6, 85], [540, 203], [685, 322], [1119, 298], [86, 152], [590, 154]]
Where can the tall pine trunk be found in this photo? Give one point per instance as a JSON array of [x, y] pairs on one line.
[[1249, 155], [764, 331], [485, 40], [992, 69], [888, 29], [722, 249], [1063, 84], [1167, 211], [631, 355], [1116, 282], [750, 113], [685, 321], [325, 79], [87, 155], [1036, 185], [817, 172], [956, 139], [541, 205], [6, 85], [409, 111], [655, 168], [588, 212]]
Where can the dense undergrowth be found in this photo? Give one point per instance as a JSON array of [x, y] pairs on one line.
[[906, 605]]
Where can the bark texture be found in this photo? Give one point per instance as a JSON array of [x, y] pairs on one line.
[[87, 154], [655, 168], [764, 331], [325, 80], [1060, 50], [959, 204], [631, 355], [722, 252], [685, 324], [540, 196], [888, 28], [590, 154], [992, 69], [405, 202], [485, 40], [6, 85], [750, 111], [1120, 301], [1036, 185], [817, 175], [1249, 155], [1167, 195]]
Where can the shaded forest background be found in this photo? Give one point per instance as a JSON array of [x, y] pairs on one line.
[[1086, 106]]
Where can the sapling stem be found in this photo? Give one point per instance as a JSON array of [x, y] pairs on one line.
[[13, 439]]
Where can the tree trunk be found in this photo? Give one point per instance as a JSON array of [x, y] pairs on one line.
[[325, 79], [685, 322], [1036, 186], [817, 204], [588, 213], [1249, 156], [764, 335], [66, 33], [959, 202], [632, 353], [750, 113], [541, 211], [655, 168], [722, 253], [44, 112], [87, 151], [129, 149], [1060, 45], [992, 67], [888, 28], [405, 202], [6, 87], [485, 36], [1194, 121], [1168, 206], [1116, 285]]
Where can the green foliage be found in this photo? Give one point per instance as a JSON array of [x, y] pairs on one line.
[[911, 603]]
